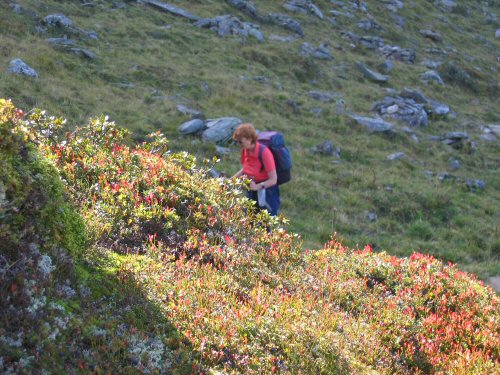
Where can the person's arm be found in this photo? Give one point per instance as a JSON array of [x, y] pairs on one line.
[[272, 180], [238, 174]]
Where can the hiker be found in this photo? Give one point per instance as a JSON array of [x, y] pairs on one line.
[[263, 186]]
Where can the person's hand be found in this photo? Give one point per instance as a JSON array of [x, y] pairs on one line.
[[254, 186]]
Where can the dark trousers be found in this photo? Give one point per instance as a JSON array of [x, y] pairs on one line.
[[272, 199]]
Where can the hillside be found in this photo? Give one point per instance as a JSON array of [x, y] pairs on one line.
[[134, 260], [425, 179]]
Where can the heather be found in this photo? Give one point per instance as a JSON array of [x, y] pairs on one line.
[[149, 265]]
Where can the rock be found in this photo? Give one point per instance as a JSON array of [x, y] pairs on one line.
[[431, 35], [368, 24], [248, 8], [371, 42], [323, 96], [339, 106], [454, 164], [219, 150], [371, 216], [493, 129], [172, 9], [497, 33], [454, 138], [326, 148], [386, 66], [431, 75], [370, 74], [220, 130], [396, 156], [279, 38], [194, 113], [57, 20], [192, 127], [65, 42], [286, 22], [432, 64], [303, 6], [402, 109], [447, 5], [83, 53], [406, 55], [437, 108], [18, 66], [374, 125], [475, 184], [226, 25], [322, 52]]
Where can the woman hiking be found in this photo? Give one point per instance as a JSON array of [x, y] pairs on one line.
[[264, 189]]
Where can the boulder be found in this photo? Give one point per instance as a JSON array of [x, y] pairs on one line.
[[406, 55], [322, 52], [57, 20], [192, 127], [226, 25], [374, 125], [323, 96], [303, 6], [18, 66], [220, 130], [286, 22], [370, 74], [431, 76], [431, 35], [172, 9]]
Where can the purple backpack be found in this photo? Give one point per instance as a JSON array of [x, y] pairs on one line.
[[282, 158]]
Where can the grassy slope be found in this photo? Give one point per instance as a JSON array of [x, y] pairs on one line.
[[167, 66]]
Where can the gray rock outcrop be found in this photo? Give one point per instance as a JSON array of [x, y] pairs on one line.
[[303, 6], [226, 25], [374, 125], [18, 66], [172, 9], [370, 74], [220, 130], [194, 126], [322, 52]]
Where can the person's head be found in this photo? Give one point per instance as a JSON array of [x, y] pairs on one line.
[[245, 135]]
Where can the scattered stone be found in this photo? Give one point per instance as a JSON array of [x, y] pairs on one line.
[[339, 106], [286, 22], [454, 138], [432, 64], [402, 109], [396, 156], [176, 11], [447, 5], [226, 25], [323, 96], [219, 150], [192, 127], [368, 24], [371, 75], [18, 66], [497, 33], [322, 52], [431, 75], [65, 42], [386, 67], [57, 20], [283, 39], [317, 111], [410, 133], [220, 130], [83, 53], [371, 216], [374, 125], [474, 185], [454, 164], [326, 148], [294, 105], [431, 35], [194, 113], [336, 13], [303, 6], [406, 55]]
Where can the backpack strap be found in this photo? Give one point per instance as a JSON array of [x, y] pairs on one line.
[[261, 151]]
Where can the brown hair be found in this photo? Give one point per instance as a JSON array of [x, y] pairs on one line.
[[245, 131]]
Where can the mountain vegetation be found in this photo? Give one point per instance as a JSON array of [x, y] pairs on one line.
[[123, 249]]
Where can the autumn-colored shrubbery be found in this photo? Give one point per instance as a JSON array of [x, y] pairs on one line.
[[240, 290]]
